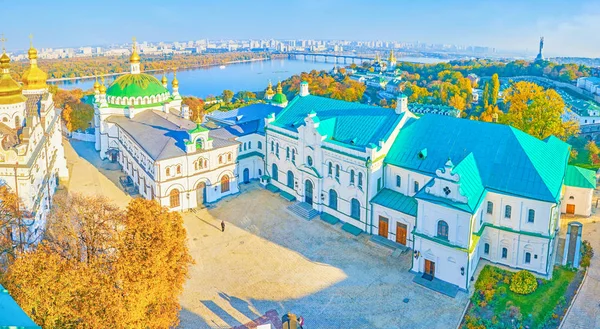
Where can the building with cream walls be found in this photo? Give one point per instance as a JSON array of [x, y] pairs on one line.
[[32, 158]]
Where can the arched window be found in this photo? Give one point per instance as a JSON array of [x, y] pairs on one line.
[[178, 169], [531, 216], [293, 156], [224, 184], [272, 146], [290, 179], [229, 156], [199, 143], [355, 209], [416, 186], [259, 145], [245, 146], [527, 257], [337, 172], [504, 253], [330, 169], [486, 248], [220, 159], [174, 198], [277, 150], [333, 199], [274, 172], [240, 148], [507, 211], [287, 152], [490, 207], [168, 171], [309, 161], [442, 230], [398, 180], [250, 145], [360, 179], [352, 177]]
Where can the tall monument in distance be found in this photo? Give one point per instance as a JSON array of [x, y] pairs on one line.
[[540, 56]]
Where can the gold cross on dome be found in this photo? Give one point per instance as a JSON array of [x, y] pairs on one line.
[[31, 40], [3, 40]]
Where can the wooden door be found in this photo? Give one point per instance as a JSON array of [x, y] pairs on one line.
[[401, 233], [383, 226], [429, 268], [570, 209]]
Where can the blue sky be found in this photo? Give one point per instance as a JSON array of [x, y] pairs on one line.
[[569, 27]]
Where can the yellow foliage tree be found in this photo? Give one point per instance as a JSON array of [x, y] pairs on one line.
[[100, 267], [458, 102], [537, 112]]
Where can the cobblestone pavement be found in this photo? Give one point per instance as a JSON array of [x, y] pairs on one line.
[[269, 259], [585, 312]]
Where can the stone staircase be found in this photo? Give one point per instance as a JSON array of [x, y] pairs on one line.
[[303, 210]]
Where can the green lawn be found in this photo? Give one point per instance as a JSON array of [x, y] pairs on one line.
[[541, 302]]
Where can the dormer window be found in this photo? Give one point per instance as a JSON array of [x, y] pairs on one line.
[[422, 154], [447, 190]]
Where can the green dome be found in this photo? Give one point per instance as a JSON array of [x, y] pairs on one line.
[[279, 98], [136, 85]]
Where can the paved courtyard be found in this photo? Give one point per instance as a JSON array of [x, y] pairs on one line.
[[268, 259]]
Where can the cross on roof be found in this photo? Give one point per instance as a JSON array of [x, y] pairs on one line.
[[31, 40], [3, 40]]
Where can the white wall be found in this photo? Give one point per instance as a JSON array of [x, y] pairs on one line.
[[580, 197]]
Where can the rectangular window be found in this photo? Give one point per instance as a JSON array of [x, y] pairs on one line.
[[504, 253], [527, 258], [531, 216], [507, 211], [378, 183], [486, 248], [416, 186], [490, 207], [398, 180]]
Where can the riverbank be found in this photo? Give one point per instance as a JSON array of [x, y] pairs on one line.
[[90, 77]]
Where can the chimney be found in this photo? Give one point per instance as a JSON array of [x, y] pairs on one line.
[[304, 89], [401, 104]]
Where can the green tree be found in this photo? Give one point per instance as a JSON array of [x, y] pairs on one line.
[[227, 95], [494, 90]]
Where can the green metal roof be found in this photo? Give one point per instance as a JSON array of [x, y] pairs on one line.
[[352, 125], [508, 160], [11, 315], [136, 85], [279, 98], [396, 201], [580, 177], [198, 129]]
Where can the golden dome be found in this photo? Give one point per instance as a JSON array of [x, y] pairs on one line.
[[164, 80], [10, 90], [96, 85], [270, 91], [32, 53], [135, 57], [279, 88], [175, 82], [33, 77]]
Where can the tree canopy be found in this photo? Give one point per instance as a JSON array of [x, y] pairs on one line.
[[101, 267], [537, 112]]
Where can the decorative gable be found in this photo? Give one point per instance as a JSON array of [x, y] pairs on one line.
[[198, 140], [447, 184]]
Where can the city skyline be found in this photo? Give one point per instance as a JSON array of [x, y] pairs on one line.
[[509, 26]]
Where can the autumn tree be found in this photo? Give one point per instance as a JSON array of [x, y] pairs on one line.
[[537, 112], [594, 151], [458, 102], [66, 116], [227, 95], [196, 106], [13, 230], [494, 90], [101, 267]]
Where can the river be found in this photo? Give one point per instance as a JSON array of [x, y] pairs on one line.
[[252, 76]]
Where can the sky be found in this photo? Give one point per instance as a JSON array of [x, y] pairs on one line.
[[570, 27]]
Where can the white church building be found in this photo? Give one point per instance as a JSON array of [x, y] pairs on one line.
[[32, 158], [454, 191]]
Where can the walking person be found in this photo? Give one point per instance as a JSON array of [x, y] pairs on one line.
[[222, 226]]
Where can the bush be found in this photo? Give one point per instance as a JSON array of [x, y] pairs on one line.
[[587, 253], [523, 283]]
